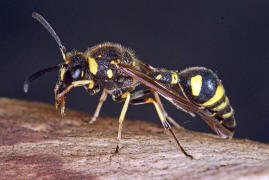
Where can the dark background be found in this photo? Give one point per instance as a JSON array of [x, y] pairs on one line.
[[230, 37]]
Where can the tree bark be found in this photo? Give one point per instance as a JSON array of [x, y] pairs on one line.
[[36, 143]]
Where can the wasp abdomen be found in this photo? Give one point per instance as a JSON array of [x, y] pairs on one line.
[[203, 87], [165, 76]]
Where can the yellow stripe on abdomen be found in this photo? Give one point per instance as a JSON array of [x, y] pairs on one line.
[[217, 96], [228, 114], [222, 105]]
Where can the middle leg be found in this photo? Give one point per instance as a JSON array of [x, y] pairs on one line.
[[99, 106], [142, 93]]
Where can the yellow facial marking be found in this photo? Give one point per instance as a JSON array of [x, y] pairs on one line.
[[217, 96], [222, 105], [99, 56], [93, 66], [174, 77], [196, 84], [62, 73], [109, 73], [228, 114], [91, 84], [133, 63], [82, 74], [158, 77]]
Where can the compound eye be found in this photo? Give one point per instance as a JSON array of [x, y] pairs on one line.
[[76, 73]]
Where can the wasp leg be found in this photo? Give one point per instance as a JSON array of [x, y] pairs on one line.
[[99, 106], [59, 97], [170, 119], [141, 93], [126, 96], [59, 101], [165, 123]]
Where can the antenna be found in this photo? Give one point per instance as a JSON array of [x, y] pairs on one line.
[[46, 25], [36, 75]]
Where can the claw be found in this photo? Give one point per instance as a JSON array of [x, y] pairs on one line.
[[117, 149], [93, 120]]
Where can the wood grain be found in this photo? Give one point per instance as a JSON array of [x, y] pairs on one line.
[[36, 143]]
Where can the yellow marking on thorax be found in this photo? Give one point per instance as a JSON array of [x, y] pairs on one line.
[[99, 56], [133, 63], [196, 85], [228, 114], [217, 96], [91, 84], [174, 78], [115, 61], [222, 105], [63, 70], [158, 77], [93, 66], [109, 73]]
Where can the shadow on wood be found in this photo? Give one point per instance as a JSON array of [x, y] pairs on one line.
[[36, 143]]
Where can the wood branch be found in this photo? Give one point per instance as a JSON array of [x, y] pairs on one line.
[[36, 143]]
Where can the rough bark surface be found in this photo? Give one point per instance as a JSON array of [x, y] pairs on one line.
[[36, 143]]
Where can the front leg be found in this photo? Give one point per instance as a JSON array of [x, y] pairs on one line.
[[59, 101], [60, 97]]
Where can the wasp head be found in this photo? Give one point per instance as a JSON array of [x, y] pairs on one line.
[[72, 71]]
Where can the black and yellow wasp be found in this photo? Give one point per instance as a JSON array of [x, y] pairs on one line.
[[117, 71]]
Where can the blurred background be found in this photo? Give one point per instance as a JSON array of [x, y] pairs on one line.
[[230, 37]]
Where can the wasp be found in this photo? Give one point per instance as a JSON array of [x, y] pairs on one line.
[[117, 71]]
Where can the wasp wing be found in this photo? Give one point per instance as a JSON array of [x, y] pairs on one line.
[[177, 100]]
